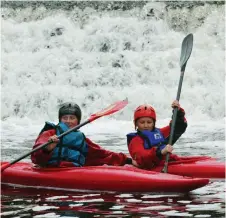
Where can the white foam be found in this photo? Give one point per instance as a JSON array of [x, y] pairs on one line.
[[36, 78]]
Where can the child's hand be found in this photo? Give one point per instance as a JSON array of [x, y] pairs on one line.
[[167, 149], [134, 163], [175, 104], [54, 141]]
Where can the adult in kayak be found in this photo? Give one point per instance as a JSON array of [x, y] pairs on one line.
[[73, 149], [148, 145]]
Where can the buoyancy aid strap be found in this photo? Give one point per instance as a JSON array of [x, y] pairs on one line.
[[145, 138]]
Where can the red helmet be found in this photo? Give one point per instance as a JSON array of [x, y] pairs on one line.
[[145, 111]]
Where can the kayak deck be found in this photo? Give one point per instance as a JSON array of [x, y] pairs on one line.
[[98, 178], [200, 167]]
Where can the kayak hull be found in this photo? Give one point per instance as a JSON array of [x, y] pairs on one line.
[[98, 178]]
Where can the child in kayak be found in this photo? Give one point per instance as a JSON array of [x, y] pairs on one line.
[[73, 149], [148, 146]]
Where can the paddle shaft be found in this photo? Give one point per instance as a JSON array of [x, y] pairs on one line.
[[175, 110]]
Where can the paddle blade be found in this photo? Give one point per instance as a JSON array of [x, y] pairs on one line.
[[109, 110], [186, 49]]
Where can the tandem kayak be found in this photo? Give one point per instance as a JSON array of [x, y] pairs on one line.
[[196, 166], [97, 178]]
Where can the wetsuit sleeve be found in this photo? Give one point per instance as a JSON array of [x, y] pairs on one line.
[[98, 156], [180, 127], [42, 156]]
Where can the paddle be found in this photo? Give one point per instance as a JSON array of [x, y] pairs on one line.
[[107, 111], [186, 50]]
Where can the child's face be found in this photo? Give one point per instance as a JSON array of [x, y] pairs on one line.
[[70, 120], [145, 123]]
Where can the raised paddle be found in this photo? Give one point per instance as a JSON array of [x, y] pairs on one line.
[[107, 111], [186, 49]]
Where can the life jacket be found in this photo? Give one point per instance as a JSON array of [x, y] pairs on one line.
[[72, 147], [151, 138]]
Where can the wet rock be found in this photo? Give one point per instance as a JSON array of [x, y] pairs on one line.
[[57, 31], [105, 48]]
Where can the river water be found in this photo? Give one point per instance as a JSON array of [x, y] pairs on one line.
[[98, 53]]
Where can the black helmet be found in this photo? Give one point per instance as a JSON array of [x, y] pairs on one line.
[[70, 108]]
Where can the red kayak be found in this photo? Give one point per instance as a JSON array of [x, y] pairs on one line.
[[196, 166], [97, 178]]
